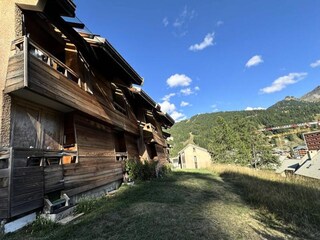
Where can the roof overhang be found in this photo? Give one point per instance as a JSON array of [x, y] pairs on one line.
[[96, 51], [144, 98], [165, 118], [62, 7]]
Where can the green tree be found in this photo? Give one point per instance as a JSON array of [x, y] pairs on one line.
[[225, 143]]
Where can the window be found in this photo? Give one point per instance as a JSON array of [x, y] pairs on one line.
[[4, 163], [195, 162], [33, 161], [52, 161], [119, 101], [4, 158], [120, 146], [152, 151]]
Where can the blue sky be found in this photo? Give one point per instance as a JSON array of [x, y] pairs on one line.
[[213, 55]]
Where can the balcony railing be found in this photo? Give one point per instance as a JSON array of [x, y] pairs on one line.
[[35, 73], [151, 135], [28, 46]]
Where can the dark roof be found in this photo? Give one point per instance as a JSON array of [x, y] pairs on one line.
[[97, 51]]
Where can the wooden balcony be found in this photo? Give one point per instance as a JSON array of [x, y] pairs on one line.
[[36, 75], [151, 135]]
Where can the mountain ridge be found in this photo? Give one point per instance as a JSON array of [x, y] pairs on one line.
[[290, 110], [312, 96]]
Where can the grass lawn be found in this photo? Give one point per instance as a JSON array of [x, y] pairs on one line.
[[184, 205]]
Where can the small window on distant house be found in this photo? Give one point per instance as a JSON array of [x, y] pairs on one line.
[[195, 162]]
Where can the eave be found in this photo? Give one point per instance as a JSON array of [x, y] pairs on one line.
[[97, 51]]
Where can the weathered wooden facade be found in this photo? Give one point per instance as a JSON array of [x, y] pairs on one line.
[[69, 112]]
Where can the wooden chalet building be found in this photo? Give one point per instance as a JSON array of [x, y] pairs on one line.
[[70, 113]]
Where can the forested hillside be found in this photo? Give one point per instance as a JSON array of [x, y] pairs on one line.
[[240, 127]]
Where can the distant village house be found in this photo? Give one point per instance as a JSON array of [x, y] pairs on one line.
[[193, 157], [309, 164]]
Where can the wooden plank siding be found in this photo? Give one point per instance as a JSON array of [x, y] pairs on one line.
[[5, 174], [132, 146], [53, 178], [4, 192], [15, 73], [50, 83], [27, 189], [97, 165], [162, 157]]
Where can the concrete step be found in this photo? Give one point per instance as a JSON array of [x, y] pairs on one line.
[[69, 218], [57, 216]]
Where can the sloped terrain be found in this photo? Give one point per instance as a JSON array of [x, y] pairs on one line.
[[185, 205]]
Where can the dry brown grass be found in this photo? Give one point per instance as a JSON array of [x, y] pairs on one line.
[[291, 200]]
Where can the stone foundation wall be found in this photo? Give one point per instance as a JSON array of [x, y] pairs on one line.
[[6, 121], [8, 34]]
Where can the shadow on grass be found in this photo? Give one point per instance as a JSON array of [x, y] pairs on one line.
[[168, 208], [296, 205]]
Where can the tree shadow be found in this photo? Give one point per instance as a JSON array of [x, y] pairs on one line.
[[167, 208]]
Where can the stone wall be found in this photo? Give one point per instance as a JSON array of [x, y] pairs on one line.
[[11, 20], [5, 129]]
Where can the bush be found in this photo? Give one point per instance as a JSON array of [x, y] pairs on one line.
[[138, 170], [165, 169]]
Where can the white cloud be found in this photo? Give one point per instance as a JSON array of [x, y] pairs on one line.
[[178, 116], [207, 41], [281, 82], [181, 23], [254, 108], [179, 80], [184, 17], [254, 61], [186, 91], [165, 21], [170, 108], [219, 23], [214, 108], [167, 107], [184, 104], [168, 96], [315, 64], [196, 88]]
